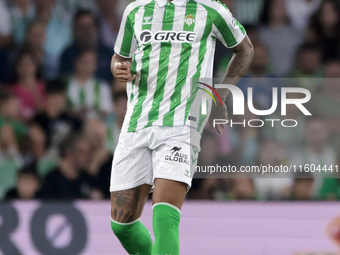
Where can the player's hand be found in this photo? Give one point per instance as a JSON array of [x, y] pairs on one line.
[[122, 71], [218, 112]]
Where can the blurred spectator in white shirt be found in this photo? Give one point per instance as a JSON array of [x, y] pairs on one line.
[[88, 96], [34, 43], [58, 30], [109, 21], [5, 25], [299, 12], [280, 37], [22, 13], [318, 150], [272, 186]]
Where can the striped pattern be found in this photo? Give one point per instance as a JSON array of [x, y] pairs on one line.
[[165, 91]]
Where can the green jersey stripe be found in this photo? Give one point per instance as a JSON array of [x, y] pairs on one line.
[[143, 84], [222, 26], [182, 72], [172, 46], [128, 33], [202, 117], [163, 66], [97, 95], [133, 71], [194, 81], [82, 97]]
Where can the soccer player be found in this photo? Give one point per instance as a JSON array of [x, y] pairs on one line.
[[162, 46]]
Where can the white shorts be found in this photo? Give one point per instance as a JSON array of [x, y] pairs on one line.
[[155, 152]]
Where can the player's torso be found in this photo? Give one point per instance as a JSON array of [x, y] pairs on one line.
[[175, 45], [171, 35]]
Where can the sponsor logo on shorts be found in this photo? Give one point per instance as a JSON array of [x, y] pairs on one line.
[[176, 156]]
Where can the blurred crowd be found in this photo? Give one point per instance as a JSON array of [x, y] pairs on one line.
[[61, 110]]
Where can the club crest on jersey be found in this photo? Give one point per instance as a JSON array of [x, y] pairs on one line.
[[189, 20]]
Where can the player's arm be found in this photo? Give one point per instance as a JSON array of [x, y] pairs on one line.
[[232, 34], [121, 68], [238, 65], [125, 47]]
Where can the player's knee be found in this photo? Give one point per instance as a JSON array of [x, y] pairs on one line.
[[166, 218]]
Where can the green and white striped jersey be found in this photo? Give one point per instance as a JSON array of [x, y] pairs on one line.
[[93, 95], [172, 44]]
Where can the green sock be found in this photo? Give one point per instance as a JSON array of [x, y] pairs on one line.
[[166, 219], [134, 237]]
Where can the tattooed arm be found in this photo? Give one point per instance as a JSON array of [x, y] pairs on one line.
[[238, 66]]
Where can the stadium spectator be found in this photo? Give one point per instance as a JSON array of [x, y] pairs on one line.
[[317, 150], [307, 62], [260, 66], [85, 35], [244, 139], [302, 188], [11, 130], [212, 189], [240, 188], [109, 21], [115, 121], [307, 66], [262, 88], [68, 180], [281, 38], [326, 102], [5, 41], [100, 158], [5, 26], [27, 185], [88, 96], [4, 64], [208, 157], [290, 138], [34, 43], [272, 185], [330, 189], [324, 28], [58, 32], [50, 126], [29, 90], [246, 11], [22, 13], [243, 188], [300, 11]]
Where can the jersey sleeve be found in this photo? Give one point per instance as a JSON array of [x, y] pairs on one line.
[[126, 43], [225, 27]]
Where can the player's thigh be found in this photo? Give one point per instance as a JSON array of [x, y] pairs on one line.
[[174, 159], [132, 162], [169, 191], [127, 205], [131, 176]]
